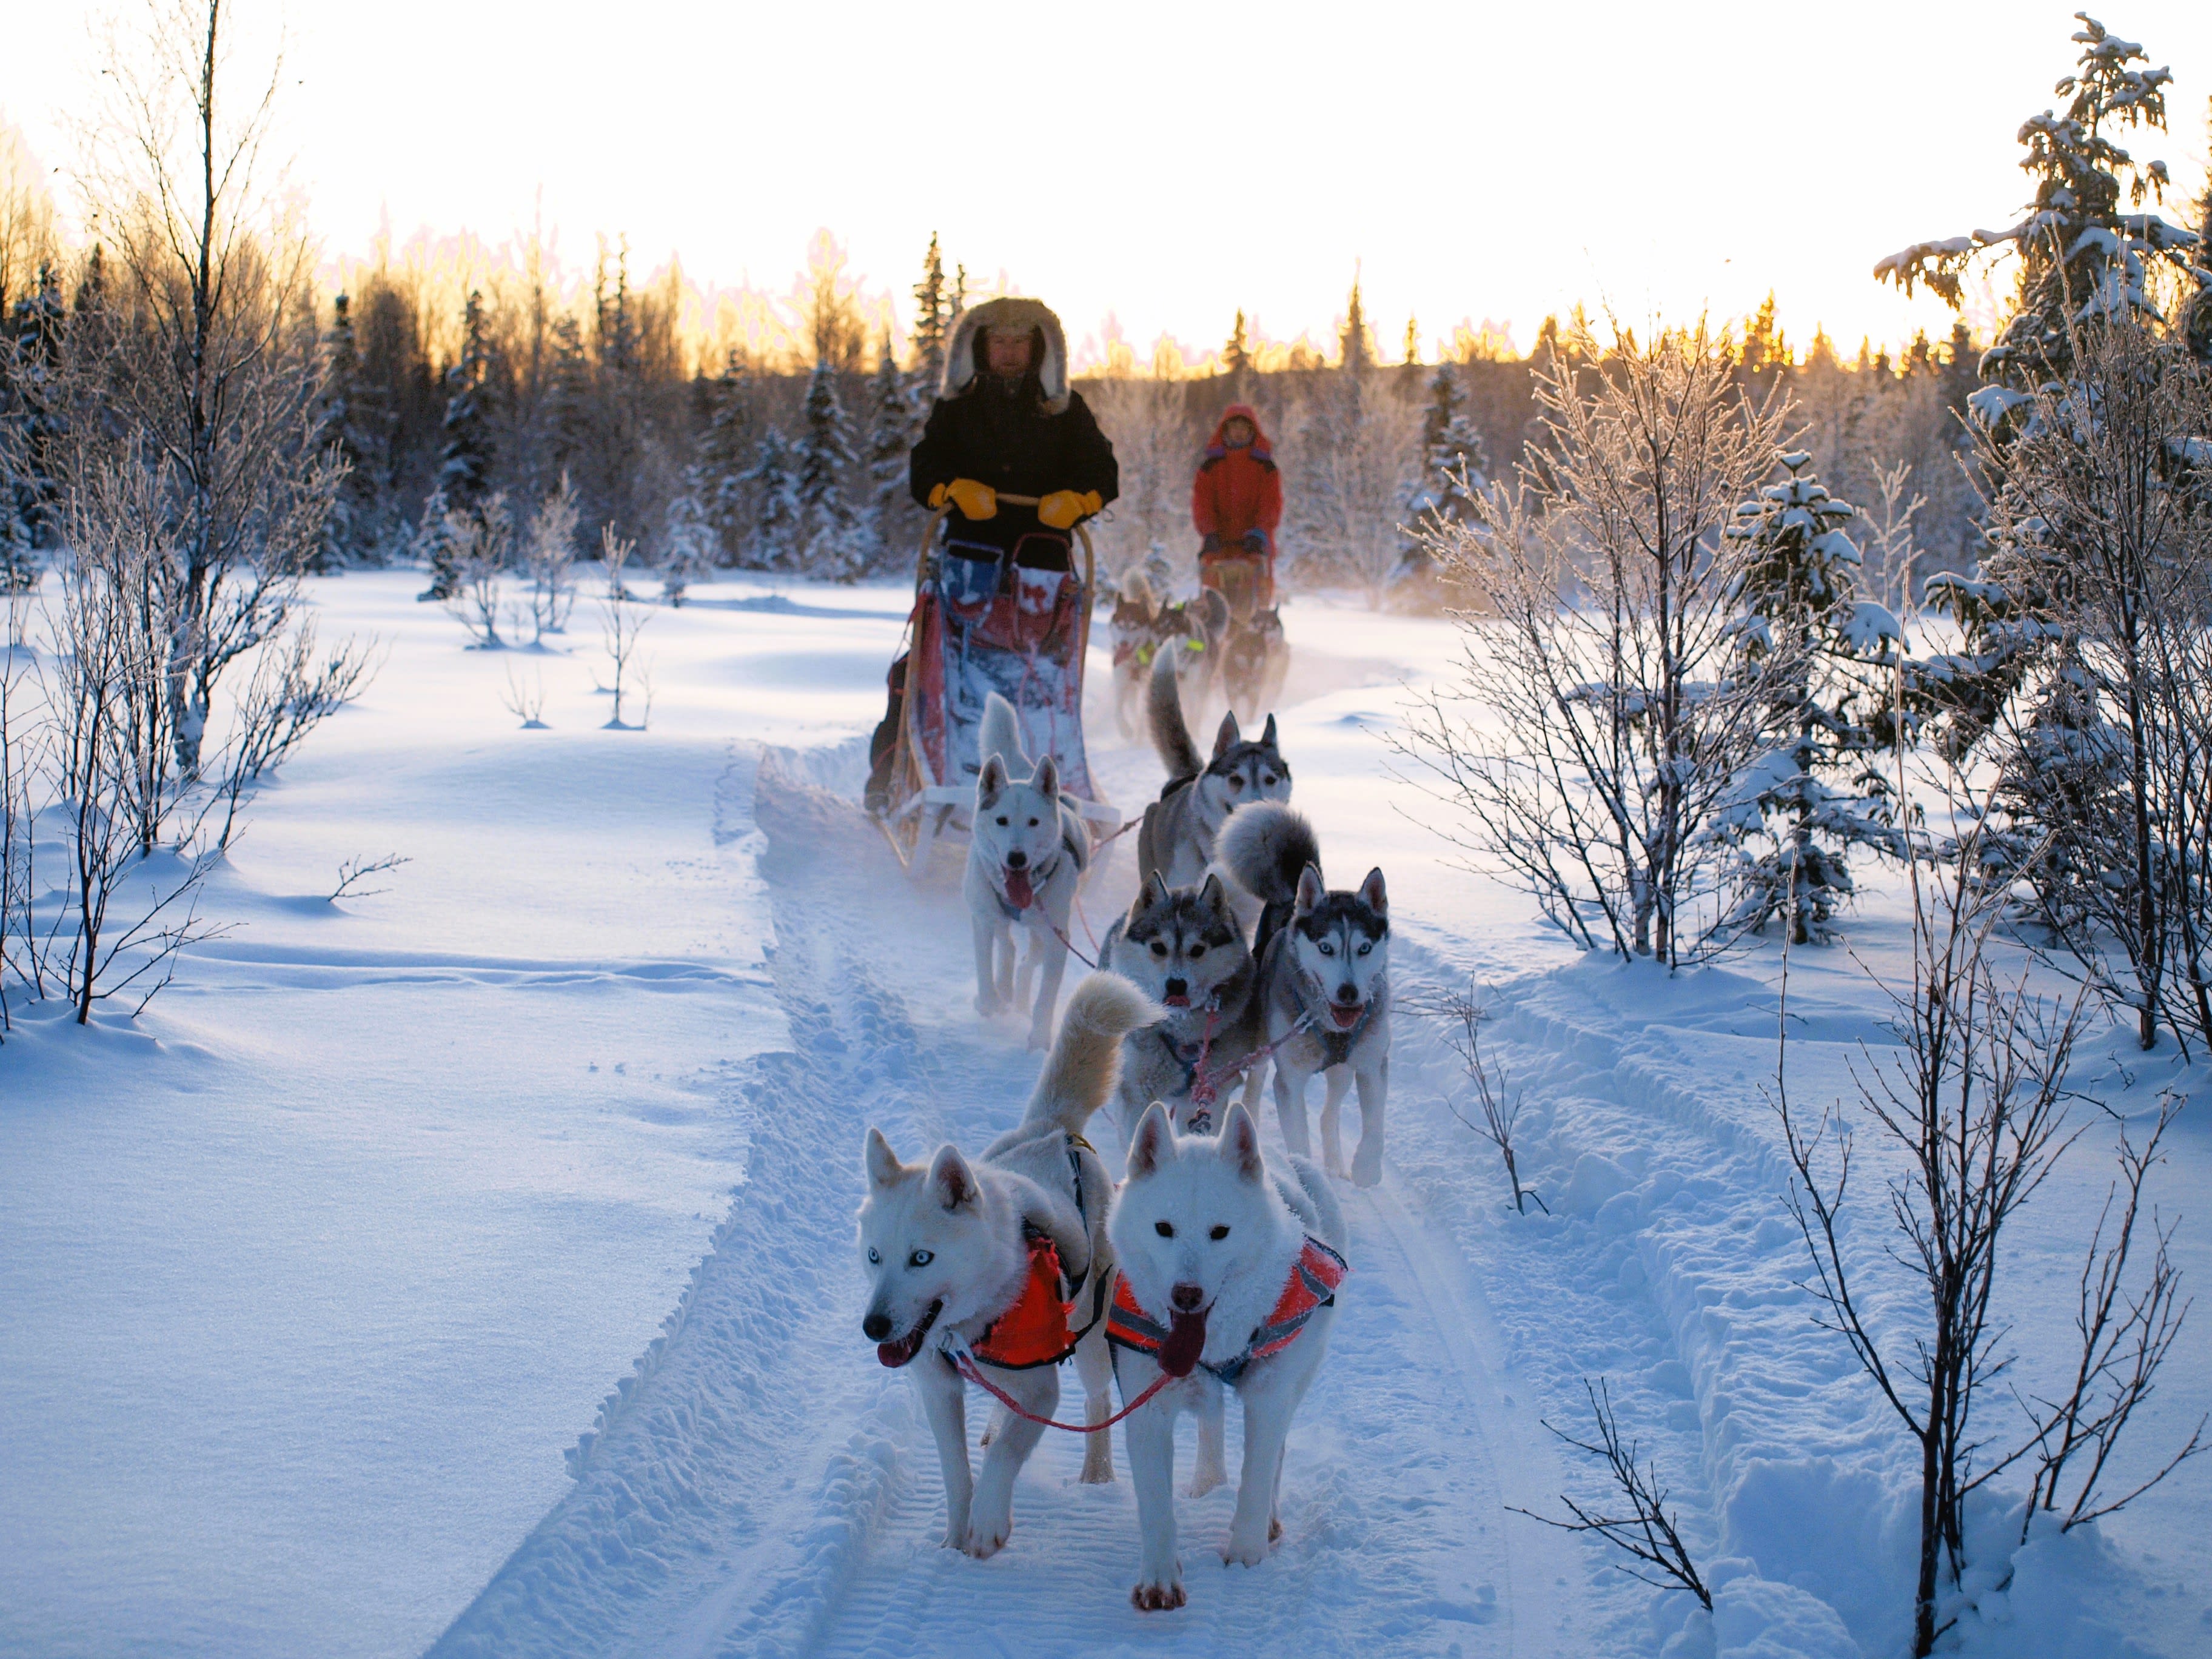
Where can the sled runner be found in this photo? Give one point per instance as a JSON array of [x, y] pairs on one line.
[[984, 621]]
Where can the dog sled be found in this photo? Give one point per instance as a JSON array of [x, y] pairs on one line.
[[985, 622], [1254, 655]]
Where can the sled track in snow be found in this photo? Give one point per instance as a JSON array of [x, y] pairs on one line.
[[763, 1488]]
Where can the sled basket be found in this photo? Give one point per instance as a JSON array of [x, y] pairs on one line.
[[982, 621]]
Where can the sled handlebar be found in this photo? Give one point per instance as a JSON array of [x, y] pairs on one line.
[[938, 516]]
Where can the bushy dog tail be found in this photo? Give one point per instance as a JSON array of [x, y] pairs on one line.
[[1266, 848], [1212, 615], [1171, 738], [1001, 735], [1138, 590], [1085, 1061]]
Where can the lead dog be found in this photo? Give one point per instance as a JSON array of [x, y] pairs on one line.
[[1176, 840], [954, 1248], [1324, 980], [1229, 1277], [1025, 859]]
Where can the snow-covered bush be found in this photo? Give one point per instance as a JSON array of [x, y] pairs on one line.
[[1605, 714], [549, 559], [687, 547], [479, 544]]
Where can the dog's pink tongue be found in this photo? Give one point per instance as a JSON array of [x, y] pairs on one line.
[[1186, 1341], [1019, 891]]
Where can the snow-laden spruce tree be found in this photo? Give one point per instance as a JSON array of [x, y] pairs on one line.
[[775, 502], [721, 456], [33, 347], [935, 306], [1605, 713], [890, 514], [351, 533], [687, 541], [464, 459], [1821, 788], [1358, 456], [821, 460]]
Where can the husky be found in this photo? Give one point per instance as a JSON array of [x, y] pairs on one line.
[[1176, 840], [954, 1248], [1140, 625], [1184, 948], [1025, 859], [1324, 980], [1254, 660], [1228, 1279]]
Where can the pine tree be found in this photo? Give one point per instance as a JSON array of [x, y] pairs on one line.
[[465, 461], [567, 416], [1354, 350], [1821, 789], [823, 454], [891, 439], [349, 531], [2083, 251], [775, 502], [1413, 343], [721, 455], [933, 317], [1236, 355], [31, 405], [430, 545], [689, 545]]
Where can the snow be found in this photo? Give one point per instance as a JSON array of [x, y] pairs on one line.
[[468, 1267]]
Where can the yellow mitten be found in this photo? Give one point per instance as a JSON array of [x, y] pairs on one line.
[[1061, 509], [975, 501]]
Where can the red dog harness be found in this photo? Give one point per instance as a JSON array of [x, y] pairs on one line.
[[1036, 1331], [1312, 1284]]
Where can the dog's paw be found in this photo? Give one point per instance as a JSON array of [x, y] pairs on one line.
[[1244, 1551], [1204, 1479], [987, 1006], [1098, 1463], [1367, 1171], [1157, 1597], [986, 1539], [1039, 1037]]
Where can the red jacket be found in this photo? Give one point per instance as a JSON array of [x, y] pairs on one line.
[[1238, 490]]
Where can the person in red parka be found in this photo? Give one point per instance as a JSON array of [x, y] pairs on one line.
[[1237, 500]]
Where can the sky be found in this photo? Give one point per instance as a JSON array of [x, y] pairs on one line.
[[1152, 168]]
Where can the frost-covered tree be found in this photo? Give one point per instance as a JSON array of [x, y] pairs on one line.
[[820, 461], [1237, 353], [350, 534], [688, 547], [2087, 247], [723, 453], [464, 460], [429, 546], [775, 502], [891, 439], [31, 408], [1355, 346], [1358, 458], [1820, 790], [934, 308]]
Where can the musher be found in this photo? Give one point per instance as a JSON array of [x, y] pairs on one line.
[[1236, 502], [1006, 420]]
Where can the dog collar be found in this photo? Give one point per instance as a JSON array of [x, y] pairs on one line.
[[1311, 1285]]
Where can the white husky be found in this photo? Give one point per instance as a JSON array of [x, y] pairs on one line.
[[1025, 859], [1228, 1278], [1003, 1253]]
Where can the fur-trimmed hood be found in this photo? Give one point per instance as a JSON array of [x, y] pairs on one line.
[[961, 362]]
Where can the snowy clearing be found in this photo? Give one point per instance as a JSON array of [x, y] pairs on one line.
[[309, 1302]]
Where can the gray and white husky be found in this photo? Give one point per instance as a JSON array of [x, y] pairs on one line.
[[1025, 858], [1184, 948], [1219, 1260], [947, 1248], [1324, 980], [1176, 840]]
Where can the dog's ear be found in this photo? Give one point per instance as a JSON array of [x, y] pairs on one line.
[[1310, 891], [1267, 736], [883, 1166], [1225, 738], [1155, 892], [1153, 1144], [1046, 778], [1213, 896], [992, 779], [1239, 1144], [953, 1182], [1371, 894]]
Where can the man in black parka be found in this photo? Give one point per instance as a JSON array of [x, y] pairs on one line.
[[1005, 421]]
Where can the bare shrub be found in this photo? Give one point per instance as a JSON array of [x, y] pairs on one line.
[[1461, 1014], [622, 620], [356, 871], [480, 543], [549, 559], [1646, 1532], [1605, 711], [293, 689], [2125, 1333], [1973, 1104], [526, 703]]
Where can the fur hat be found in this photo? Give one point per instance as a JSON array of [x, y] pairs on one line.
[[1014, 313]]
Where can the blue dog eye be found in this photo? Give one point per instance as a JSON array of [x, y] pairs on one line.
[[920, 1258]]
